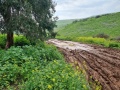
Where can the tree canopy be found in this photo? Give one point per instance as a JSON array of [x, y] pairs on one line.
[[32, 18]]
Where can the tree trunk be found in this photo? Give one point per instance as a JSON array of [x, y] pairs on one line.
[[9, 42], [7, 17]]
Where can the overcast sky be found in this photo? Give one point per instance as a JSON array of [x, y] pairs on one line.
[[76, 9]]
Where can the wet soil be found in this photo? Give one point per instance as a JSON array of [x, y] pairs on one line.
[[102, 64]]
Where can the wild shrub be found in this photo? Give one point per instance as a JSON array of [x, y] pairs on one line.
[[21, 40], [75, 21], [53, 34], [2, 41], [112, 44], [116, 39], [98, 16], [102, 35]]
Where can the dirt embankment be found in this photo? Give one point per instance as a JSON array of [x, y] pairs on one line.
[[103, 64]]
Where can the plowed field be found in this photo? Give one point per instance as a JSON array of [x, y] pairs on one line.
[[103, 64]]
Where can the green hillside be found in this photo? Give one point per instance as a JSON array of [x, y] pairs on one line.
[[108, 24], [62, 23]]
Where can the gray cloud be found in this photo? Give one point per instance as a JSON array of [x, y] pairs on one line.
[[72, 9]]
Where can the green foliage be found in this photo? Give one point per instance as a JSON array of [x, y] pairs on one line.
[[92, 40], [113, 44], [62, 23], [53, 34], [2, 41], [116, 38], [108, 24], [17, 63], [99, 41], [95, 84], [21, 40], [17, 16], [39, 67], [57, 75], [94, 30], [102, 35]]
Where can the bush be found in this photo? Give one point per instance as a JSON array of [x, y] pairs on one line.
[[91, 40], [98, 16], [2, 40], [102, 35], [117, 38], [21, 40], [113, 45], [75, 21], [53, 34], [18, 40]]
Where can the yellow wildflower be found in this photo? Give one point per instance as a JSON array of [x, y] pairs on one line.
[[49, 86], [84, 86], [77, 67], [53, 79]]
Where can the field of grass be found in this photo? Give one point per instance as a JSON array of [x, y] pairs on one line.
[[108, 24]]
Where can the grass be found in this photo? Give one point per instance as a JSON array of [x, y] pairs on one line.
[[62, 23], [92, 40], [108, 24], [99, 41], [93, 30]]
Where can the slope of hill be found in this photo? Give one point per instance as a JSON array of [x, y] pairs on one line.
[[108, 24], [62, 23]]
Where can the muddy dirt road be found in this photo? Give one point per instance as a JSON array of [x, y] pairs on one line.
[[103, 64]]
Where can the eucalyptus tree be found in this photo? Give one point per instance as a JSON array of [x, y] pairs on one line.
[[32, 18]]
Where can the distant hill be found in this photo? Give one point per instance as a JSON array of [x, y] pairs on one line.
[[108, 24], [62, 23]]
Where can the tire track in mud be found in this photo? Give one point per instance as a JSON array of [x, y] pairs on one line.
[[103, 64]]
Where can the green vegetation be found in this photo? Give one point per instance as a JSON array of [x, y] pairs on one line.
[[62, 23], [102, 30], [98, 41], [108, 24], [57, 75], [32, 18], [2, 41], [19, 40], [39, 67]]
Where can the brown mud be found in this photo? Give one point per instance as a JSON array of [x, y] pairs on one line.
[[102, 64]]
